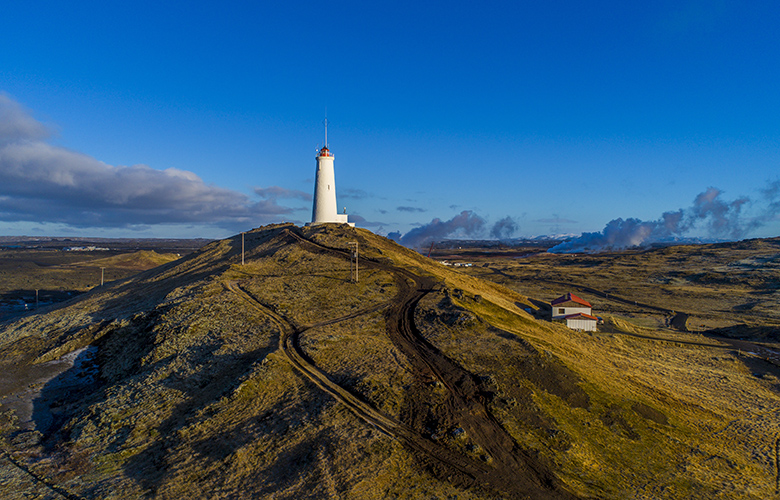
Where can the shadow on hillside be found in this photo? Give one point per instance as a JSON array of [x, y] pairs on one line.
[[763, 369], [44, 295], [746, 332], [543, 309], [113, 357], [141, 293], [219, 376], [115, 362], [64, 394], [70, 393], [289, 420], [14, 303]]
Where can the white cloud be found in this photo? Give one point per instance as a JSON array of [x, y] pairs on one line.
[[17, 124], [44, 183]]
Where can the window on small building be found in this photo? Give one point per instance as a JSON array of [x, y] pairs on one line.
[[561, 310]]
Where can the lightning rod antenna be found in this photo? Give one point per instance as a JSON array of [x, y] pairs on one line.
[[325, 122]]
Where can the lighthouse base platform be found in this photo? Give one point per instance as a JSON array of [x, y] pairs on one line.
[[338, 219]]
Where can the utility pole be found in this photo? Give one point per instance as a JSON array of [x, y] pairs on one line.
[[102, 273], [36, 298], [242, 249], [354, 257]]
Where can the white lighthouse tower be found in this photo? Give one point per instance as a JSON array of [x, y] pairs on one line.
[[325, 209]]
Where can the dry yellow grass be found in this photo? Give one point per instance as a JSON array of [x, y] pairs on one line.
[[196, 397]]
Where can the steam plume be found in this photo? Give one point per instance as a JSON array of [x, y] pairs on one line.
[[504, 228], [717, 217], [467, 223]]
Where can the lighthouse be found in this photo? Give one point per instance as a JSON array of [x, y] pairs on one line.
[[325, 209]]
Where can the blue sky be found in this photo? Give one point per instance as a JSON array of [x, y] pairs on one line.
[[201, 119]]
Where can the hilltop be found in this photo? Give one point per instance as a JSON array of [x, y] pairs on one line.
[[140, 260], [284, 378]]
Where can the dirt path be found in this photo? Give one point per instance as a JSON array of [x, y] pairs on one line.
[[770, 355], [512, 472], [290, 345]]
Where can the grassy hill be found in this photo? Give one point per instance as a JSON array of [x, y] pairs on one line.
[[138, 261], [53, 275], [282, 378]]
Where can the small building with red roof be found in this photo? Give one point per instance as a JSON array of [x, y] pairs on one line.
[[575, 311]]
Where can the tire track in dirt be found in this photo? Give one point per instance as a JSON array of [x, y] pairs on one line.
[[290, 346], [513, 471]]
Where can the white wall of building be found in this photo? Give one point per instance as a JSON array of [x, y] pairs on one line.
[[567, 310], [587, 325], [324, 208]]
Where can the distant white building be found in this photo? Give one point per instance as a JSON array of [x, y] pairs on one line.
[[576, 312], [85, 249]]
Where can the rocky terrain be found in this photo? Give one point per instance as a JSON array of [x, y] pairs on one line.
[[285, 378]]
